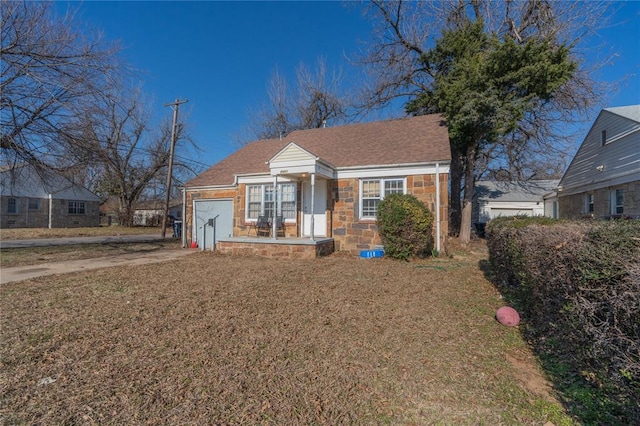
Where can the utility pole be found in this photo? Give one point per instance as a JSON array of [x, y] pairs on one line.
[[175, 106]]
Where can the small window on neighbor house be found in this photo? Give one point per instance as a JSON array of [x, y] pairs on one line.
[[34, 203], [617, 201], [603, 137], [77, 207], [589, 207], [12, 205]]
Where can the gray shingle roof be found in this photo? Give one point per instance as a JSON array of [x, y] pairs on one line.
[[532, 190], [411, 140], [632, 112]]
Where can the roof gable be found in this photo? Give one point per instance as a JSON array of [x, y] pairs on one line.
[[411, 140], [617, 160], [292, 152]]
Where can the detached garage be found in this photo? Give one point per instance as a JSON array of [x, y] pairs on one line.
[[506, 198], [213, 219]]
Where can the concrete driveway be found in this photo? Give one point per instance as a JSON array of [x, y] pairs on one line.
[[19, 273]]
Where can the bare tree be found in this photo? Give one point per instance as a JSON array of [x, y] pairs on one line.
[[48, 70], [276, 117], [405, 33], [317, 99], [115, 137]]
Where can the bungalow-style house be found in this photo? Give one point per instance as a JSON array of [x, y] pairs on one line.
[[34, 198], [603, 179], [328, 183], [509, 198]]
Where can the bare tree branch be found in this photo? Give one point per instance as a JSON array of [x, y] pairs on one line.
[[48, 69]]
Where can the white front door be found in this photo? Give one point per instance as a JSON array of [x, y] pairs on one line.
[[319, 209]]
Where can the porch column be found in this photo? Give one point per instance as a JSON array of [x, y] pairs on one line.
[[438, 207], [313, 200], [274, 227]]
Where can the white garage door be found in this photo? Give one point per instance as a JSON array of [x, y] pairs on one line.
[[510, 212], [221, 211]]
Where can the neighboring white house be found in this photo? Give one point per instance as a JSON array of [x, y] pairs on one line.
[[39, 199], [603, 180], [150, 212], [506, 198]]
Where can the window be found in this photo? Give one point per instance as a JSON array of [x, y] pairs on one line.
[[374, 190], [603, 137], [34, 203], [76, 207], [260, 200], [617, 201], [12, 205], [588, 203]]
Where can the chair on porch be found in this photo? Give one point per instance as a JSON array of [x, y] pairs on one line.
[[280, 225], [262, 226]]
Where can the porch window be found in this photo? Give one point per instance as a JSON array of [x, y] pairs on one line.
[[374, 190], [260, 200], [77, 207], [12, 205]]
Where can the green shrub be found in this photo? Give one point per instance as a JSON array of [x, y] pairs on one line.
[[405, 226]]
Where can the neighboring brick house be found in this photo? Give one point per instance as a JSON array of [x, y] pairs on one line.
[[42, 199], [603, 179], [329, 182]]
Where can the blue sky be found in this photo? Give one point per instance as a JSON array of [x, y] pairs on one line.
[[220, 55]]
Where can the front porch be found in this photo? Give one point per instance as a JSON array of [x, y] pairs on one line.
[[298, 248]]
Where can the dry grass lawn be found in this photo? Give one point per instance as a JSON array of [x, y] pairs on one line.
[[211, 339], [31, 233]]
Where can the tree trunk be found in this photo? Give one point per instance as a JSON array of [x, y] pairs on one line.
[[467, 200], [455, 196]]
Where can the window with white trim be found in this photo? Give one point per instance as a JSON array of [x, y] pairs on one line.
[[374, 190], [588, 203], [77, 207], [617, 201], [12, 205], [260, 200]]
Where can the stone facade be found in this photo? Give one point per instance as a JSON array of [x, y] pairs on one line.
[[348, 231], [33, 217], [574, 206]]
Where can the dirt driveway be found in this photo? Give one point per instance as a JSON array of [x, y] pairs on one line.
[[19, 273]]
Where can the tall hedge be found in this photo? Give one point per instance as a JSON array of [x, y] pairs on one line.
[[577, 285], [405, 226]]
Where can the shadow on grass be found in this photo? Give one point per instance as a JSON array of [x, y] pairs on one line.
[[582, 398]]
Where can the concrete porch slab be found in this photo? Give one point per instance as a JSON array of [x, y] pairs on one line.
[[304, 248]]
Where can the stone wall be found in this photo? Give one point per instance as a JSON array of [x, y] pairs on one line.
[[353, 234], [343, 223], [276, 250]]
